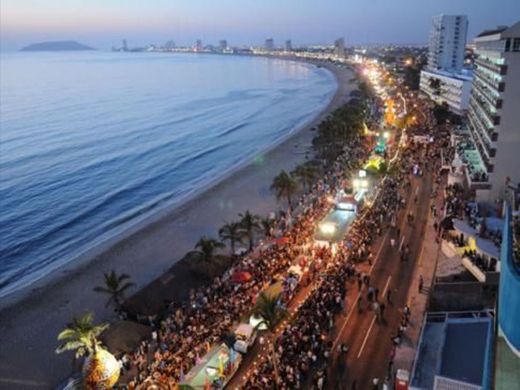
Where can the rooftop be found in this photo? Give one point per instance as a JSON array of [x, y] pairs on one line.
[[497, 30], [455, 346]]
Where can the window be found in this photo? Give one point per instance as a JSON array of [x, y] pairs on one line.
[[508, 44], [516, 44]]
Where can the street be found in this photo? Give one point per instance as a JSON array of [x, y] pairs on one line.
[[370, 341]]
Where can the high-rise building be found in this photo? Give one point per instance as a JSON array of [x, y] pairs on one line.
[[125, 45], [222, 45], [198, 45], [447, 42], [269, 44], [494, 113], [288, 45], [444, 80], [339, 47]]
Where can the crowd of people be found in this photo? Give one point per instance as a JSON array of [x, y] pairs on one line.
[[189, 329], [303, 350]]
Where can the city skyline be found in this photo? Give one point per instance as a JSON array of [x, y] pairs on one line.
[[102, 25]]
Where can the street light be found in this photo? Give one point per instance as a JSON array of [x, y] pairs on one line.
[[328, 228]]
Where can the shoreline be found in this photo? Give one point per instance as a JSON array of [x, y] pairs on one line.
[[95, 249], [122, 233], [145, 251]]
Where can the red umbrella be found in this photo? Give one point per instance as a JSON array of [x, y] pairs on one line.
[[282, 240], [241, 277]]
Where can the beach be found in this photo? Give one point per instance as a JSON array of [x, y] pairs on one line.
[[31, 319]]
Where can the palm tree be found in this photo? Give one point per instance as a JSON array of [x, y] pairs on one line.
[[205, 248], [269, 311], [232, 233], [115, 286], [436, 85], [249, 224], [306, 174], [284, 186], [267, 224], [80, 335]]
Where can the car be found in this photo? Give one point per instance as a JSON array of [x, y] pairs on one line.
[[402, 379], [245, 336]]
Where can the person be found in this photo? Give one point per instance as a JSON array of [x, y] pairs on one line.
[[375, 383], [421, 283], [343, 349], [360, 304], [389, 296], [407, 312], [382, 307]]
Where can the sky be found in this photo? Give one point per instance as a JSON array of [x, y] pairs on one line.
[[104, 23]]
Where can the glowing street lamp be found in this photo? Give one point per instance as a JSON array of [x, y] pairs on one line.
[[328, 228]]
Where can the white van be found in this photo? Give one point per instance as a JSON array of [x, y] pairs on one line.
[[245, 336]]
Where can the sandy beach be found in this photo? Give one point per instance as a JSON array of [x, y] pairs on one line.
[[31, 319]]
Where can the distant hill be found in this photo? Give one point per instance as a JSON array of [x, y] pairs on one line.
[[57, 46]]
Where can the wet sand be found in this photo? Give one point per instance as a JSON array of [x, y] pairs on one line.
[[31, 319]]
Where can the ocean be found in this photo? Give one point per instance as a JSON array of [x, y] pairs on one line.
[[93, 142]]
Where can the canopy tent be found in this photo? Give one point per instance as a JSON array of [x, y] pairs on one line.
[[240, 277], [463, 228], [487, 247]]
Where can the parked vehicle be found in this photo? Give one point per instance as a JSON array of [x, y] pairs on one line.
[[402, 379], [245, 335]]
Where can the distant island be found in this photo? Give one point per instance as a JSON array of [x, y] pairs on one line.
[[57, 46]]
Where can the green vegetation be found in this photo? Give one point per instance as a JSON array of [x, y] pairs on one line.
[[412, 75], [231, 232], [115, 287], [436, 85], [344, 124], [306, 175], [205, 261], [284, 186], [249, 224], [268, 309], [266, 225], [80, 335], [442, 114], [205, 249]]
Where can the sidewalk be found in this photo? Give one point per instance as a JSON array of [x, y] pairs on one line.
[[418, 301]]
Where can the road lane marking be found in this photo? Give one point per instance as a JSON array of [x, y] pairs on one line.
[[366, 337], [386, 285], [401, 244], [353, 307]]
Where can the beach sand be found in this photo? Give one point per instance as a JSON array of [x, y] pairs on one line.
[[31, 319]]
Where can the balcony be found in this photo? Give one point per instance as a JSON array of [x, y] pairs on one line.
[[492, 117], [482, 152], [486, 93], [498, 86], [475, 171], [488, 148], [483, 123], [499, 69]]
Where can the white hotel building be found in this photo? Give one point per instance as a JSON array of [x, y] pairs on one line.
[[454, 88], [446, 47], [494, 114]]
